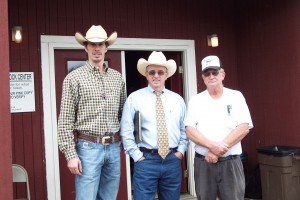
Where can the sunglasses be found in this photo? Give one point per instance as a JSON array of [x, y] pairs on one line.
[[159, 72], [208, 73]]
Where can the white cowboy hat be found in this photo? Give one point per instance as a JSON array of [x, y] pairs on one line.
[[96, 34], [156, 58]]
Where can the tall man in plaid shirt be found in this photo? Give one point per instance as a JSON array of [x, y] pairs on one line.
[[92, 101]]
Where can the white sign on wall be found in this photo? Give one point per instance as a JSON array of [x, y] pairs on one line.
[[22, 92]]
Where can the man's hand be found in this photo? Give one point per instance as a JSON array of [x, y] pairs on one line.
[[211, 158], [179, 155], [142, 158], [74, 166], [218, 148]]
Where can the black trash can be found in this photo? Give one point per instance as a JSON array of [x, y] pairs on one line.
[[279, 172], [244, 159]]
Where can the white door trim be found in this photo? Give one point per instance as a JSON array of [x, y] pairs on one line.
[[50, 43]]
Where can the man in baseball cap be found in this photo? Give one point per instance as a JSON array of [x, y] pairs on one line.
[[217, 120]]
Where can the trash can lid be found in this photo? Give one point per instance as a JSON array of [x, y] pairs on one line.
[[278, 150]]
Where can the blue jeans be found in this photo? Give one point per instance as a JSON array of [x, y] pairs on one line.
[[100, 171], [157, 175]]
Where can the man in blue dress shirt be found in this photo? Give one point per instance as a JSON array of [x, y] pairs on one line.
[[153, 173]]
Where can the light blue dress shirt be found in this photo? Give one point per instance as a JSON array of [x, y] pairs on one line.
[[144, 100]]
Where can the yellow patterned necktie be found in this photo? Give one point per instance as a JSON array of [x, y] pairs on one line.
[[162, 132]]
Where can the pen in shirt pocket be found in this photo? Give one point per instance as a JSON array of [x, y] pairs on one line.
[[229, 107]]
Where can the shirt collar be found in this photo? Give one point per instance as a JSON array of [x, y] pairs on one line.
[[153, 91], [93, 68]]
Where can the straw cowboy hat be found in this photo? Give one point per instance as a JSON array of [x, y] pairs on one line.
[[156, 58], [96, 34]]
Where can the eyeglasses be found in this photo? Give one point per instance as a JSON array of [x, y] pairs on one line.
[[159, 72], [208, 73]]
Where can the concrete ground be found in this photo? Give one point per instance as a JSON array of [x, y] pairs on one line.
[[189, 197]]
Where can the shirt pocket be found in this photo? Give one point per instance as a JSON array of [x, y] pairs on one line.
[[231, 121], [172, 112]]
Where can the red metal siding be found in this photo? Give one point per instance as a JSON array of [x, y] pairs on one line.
[[5, 121], [268, 68]]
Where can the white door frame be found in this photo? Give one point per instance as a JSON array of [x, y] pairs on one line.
[[50, 43]]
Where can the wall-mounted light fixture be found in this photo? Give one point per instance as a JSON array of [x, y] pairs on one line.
[[212, 40], [17, 34]]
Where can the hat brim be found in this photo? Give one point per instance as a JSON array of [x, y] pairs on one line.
[[143, 64], [110, 40], [211, 67]]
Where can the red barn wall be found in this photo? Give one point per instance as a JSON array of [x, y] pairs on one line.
[[5, 128], [268, 68]]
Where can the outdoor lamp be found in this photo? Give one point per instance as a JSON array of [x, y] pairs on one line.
[[17, 34], [212, 40]]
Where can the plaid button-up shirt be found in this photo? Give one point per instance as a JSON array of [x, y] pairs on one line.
[[91, 103]]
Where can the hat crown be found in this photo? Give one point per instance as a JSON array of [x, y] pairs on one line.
[[210, 62], [157, 58], [96, 32]]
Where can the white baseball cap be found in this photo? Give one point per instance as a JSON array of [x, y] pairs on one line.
[[210, 62]]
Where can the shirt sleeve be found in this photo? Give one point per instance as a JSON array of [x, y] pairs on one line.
[[127, 128], [191, 117], [244, 113], [67, 119], [122, 100], [183, 141]]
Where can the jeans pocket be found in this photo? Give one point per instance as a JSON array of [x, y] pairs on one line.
[[177, 157], [145, 155]]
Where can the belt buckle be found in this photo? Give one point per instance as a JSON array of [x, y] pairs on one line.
[[103, 141]]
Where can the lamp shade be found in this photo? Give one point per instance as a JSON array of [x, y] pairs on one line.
[[212, 40], [17, 34]]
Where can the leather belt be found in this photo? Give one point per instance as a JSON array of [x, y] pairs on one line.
[[220, 159], [106, 139], [143, 149]]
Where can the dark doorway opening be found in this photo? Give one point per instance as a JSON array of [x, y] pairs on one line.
[[135, 81]]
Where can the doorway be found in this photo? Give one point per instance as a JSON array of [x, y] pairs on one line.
[[51, 43], [135, 81], [65, 62]]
